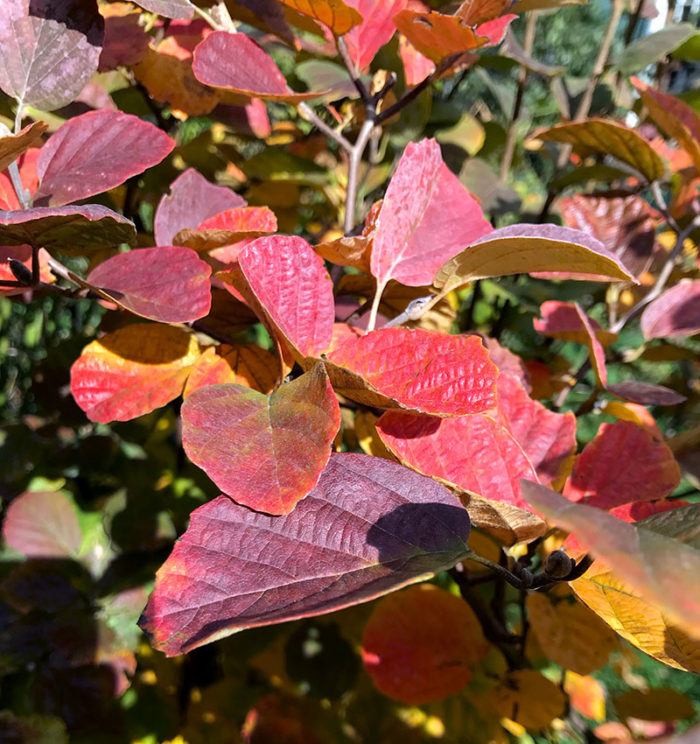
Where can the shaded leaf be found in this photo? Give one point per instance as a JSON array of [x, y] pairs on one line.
[[622, 464], [426, 217], [228, 227], [14, 145], [42, 524], [335, 14], [522, 249], [563, 320], [657, 704], [249, 443], [23, 254], [675, 313], [168, 283], [431, 372], [654, 47], [521, 6], [376, 29], [235, 568], [50, 50], [192, 199], [125, 42], [69, 229], [242, 364], [95, 152], [646, 393], [132, 371], [528, 698], [235, 62], [658, 569], [506, 523], [420, 645], [608, 138]]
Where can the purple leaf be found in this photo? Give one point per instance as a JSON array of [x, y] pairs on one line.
[[95, 152], [192, 199], [369, 527], [66, 228], [50, 48], [168, 283], [675, 313], [646, 393]]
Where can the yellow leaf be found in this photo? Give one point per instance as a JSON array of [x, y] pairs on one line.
[[528, 698]]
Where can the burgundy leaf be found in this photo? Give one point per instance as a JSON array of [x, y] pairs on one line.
[[265, 451], [426, 218], [95, 152], [646, 393], [168, 283], [369, 527], [235, 62], [125, 42], [50, 48], [291, 283], [67, 228], [42, 524], [675, 313], [192, 199]]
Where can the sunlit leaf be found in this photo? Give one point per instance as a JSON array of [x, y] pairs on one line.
[[376, 29], [132, 371], [169, 8], [675, 313], [228, 227], [337, 15], [416, 66], [586, 695], [242, 364], [27, 175], [420, 645], [235, 568]]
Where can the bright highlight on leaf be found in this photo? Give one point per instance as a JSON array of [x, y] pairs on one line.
[[235, 568], [242, 364], [335, 14], [266, 452]]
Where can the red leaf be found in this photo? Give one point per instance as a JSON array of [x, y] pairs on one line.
[[547, 438], [27, 174], [266, 452], [622, 464], [192, 199], [472, 452], [369, 527], [507, 362], [423, 370], [95, 152], [168, 283], [638, 510], [227, 228], [125, 42], [420, 645], [291, 283], [376, 29], [132, 371], [416, 66], [235, 62], [426, 218], [42, 524], [675, 313], [66, 228]]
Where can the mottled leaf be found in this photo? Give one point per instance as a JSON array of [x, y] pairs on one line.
[[132, 371], [622, 464], [14, 145], [335, 14], [376, 29], [658, 569], [168, 283], [169, 8], [423, 370], [42, 524], [265, 451], [235, 62], [521, 249], [291, 283], [228, 227], [242, 364], [50, 49], [95, 152], [420, 645], [70, 229], [192, 199], [235, 568], [426, 217], [609, 138], [675, 313]]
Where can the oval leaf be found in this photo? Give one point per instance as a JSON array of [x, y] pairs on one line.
[[235, 62], [168, 283], [675, 313], [423, 370], [132, 371], [646, 393], [376, 29], [228, 227], [291, 283], [95, 152], [266, 452], [563, 320], [235, 568], [335, 14], [182, 9]]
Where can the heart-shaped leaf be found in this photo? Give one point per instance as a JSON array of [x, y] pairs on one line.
[[235, 568], [421, 370], [95, 152], [675, 313], [71, 229], [132, 371], [50, 50], [265, 451], [168, 283]]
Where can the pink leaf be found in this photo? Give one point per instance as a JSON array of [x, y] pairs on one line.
[[376, 29], [369, 527], [675, 313], [95, 152], [168, 283]]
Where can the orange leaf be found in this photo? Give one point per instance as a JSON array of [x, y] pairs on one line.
[[242, 364], [528, 698], [586, 695], [335, 14]]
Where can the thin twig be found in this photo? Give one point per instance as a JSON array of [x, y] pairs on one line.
[[310, 115], [405, 99], [356, 153], [353, 72]]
